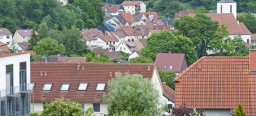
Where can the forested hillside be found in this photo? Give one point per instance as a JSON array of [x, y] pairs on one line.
[[16, 14], [167, 8]]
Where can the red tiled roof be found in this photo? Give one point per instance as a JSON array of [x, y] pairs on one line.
[[218, 83], [131, 3], [147, 27], [127, 30], [155, 16], [73, 73], [3, 44], [247, 45], [98, 51], [7, 55], [128, 18], [169, 93], [111, 8], [171, 61], [107, 38], [5, 31], [71, 59], [25, 32], [115, 54], [4, 48], [161, 27], [183, 13], [229, 20]]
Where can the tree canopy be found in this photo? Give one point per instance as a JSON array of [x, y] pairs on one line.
[[167, 42], [130, 93], [141, 59], [248, 20], [167, 77], [48, 47]]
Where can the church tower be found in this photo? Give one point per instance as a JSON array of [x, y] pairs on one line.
[[226, 6]]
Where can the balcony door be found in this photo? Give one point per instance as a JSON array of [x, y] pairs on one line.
[[23, 76]]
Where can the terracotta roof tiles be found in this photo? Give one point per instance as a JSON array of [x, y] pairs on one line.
[[218, 83], [73, 73], [128, 18], [169, 93]]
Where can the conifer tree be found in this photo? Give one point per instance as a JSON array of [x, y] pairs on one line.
[[239, 111]]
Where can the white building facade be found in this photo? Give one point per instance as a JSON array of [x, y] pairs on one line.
[[227, 6]]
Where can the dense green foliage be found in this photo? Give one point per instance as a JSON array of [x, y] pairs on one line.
[[248, 20], [48, 47], [239, 111], [165, 42], [15, 14], [130, 93], [167, 77], [141, 59], [61, 107]]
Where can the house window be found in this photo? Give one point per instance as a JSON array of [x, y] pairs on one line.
[[230, 8], [122, 43], [107, 43], [31, 86], [24, 38], [124, 48], [96, 107], [220, 8], [113, 42], [47, 87], [8, 43], [1, 50], [169, 106], [82, 87], [8, 37], [120, 48], [65, 87], [100, 87], [247, 40]]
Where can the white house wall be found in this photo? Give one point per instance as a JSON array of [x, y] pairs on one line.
[[15, 60], [244, 37], [38, 107], [133, 55], [123, 47], [142, 7], [18, 38], [4, 39], [216, 112], [158, 85], [129, 9], [226, 8]]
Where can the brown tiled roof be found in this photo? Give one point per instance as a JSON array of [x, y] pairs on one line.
[[143, 41], [229, 20], [252, 58], [183, 13], [89, 34], [88, 37], [115, 54], [98, 51], [169, 93], [136, 43], [119, 34], [128, 18], [4, 48], [25, 32], [61, 59], [147, 27], [167, 60], [155, 16], [7, 55], [161, 27], [107, 38], [218, 83], [127, 30], [73, 73], [158, 21], [131, 3], [111, 8], [3, 44], [5, 31], [24, 45]]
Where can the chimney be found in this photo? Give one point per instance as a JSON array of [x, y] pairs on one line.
[[252, 61]]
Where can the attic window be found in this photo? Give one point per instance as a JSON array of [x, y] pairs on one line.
[[31, 86], [1, 49], [82, 87], [47, 87], [164, 67], [170, 67], [65, 87], [100, 87]]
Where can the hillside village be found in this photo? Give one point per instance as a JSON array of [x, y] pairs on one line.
[[200, 62]]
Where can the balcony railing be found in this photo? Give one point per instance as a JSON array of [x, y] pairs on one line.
[[17, 89]]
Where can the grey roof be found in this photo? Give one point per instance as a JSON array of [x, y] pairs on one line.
[[168, 21], [5, 31], [137, 17], [226, 1], [106, 27], [23, 45], [118, 17]]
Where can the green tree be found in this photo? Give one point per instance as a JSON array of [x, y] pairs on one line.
[[167, 77], [103, 58], [141, 59], [74, 43], [201, 10], [33, 40], [200, 29], [239, 111], [130, 93], [61, 107], [240, 47], [248, 20], [43, 30], [48, 47], [165, 42], [136, 113]]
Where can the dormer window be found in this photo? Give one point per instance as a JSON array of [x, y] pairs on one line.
[[100, 87], [65, 87], [164, 67], [82, 86], [31, 86], [47, 87]]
